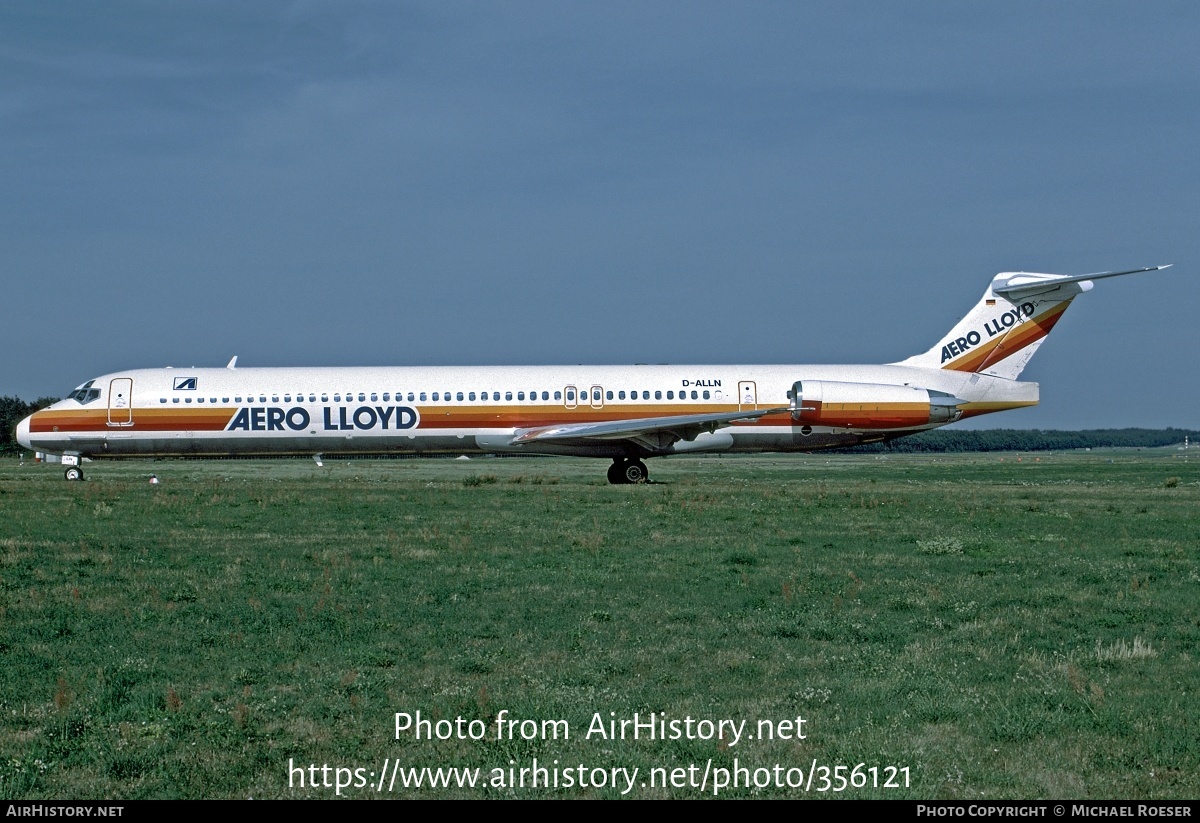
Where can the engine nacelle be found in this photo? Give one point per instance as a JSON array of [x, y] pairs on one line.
[[870, 405]]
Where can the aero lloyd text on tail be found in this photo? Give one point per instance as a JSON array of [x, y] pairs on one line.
[[625, 414]]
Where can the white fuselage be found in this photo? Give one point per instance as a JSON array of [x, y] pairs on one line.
[[164, 412]]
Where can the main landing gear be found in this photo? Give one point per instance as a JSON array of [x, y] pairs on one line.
[[73, 473], [628, 470]]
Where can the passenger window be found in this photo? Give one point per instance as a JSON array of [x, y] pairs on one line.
[[471, 396], [694, 396], [495, 395], [508, 395], [174, 399], [386, 397], [324, 398], [223, 400], [435, 397], [483, 396], [706, 394], [374, 397], [545, 395], [422, 397], [162, 400], [199, 399], [558, 395], [410, 397], [287, 398], [570, 394], [610, 396], [670, 395], [520, 395], [621, 395], [459, 396], [187, 400], [337, 398]]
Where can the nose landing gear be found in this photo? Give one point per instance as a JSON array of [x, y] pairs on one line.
[[628, 471]]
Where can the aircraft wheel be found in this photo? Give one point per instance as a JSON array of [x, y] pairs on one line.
[[635, 472], [616, 472], [73, 473]]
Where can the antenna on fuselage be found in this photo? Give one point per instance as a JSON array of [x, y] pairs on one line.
[[232, 363]]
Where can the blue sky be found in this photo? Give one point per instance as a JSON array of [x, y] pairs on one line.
[[444, 183]]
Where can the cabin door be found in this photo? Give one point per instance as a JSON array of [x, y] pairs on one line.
[[120, 402], [747, 396]]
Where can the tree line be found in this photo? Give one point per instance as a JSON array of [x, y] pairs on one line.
[[1030, 440], [12, 411]]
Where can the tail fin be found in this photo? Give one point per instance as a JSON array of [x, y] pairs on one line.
[[1000, 335]]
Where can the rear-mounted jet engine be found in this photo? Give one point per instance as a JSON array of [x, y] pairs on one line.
[[869, 405]]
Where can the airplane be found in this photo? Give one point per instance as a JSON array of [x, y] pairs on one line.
[[623, 413]]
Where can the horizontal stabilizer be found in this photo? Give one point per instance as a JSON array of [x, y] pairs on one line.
[[1017, 285]]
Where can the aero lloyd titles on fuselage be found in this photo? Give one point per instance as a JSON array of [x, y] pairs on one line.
[[991, 328], [330, 418]]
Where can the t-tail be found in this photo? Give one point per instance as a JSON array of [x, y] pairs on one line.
[[1016, 313]]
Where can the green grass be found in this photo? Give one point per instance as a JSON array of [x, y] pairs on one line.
[[1003, 629]]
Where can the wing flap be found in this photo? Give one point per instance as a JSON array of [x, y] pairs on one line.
[[653, 432]]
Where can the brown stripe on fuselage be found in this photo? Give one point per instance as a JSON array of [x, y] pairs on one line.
[[434, 418], [91, 420]]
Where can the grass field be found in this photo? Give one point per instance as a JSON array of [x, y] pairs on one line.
[[999, 628]]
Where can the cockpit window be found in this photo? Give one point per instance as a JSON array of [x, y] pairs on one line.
[[85, 393]]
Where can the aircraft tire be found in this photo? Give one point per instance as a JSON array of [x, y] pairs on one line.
[[634, 471], [616, 472], [73, 473]]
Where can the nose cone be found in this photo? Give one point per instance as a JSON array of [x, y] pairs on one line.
[[23, 432]]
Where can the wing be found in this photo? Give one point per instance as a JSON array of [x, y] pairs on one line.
[[653, 433]]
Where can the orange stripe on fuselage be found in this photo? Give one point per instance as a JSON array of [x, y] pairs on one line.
[[857, 415], [93, 420]]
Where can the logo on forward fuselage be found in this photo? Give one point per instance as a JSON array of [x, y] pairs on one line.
[[333, 418]]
